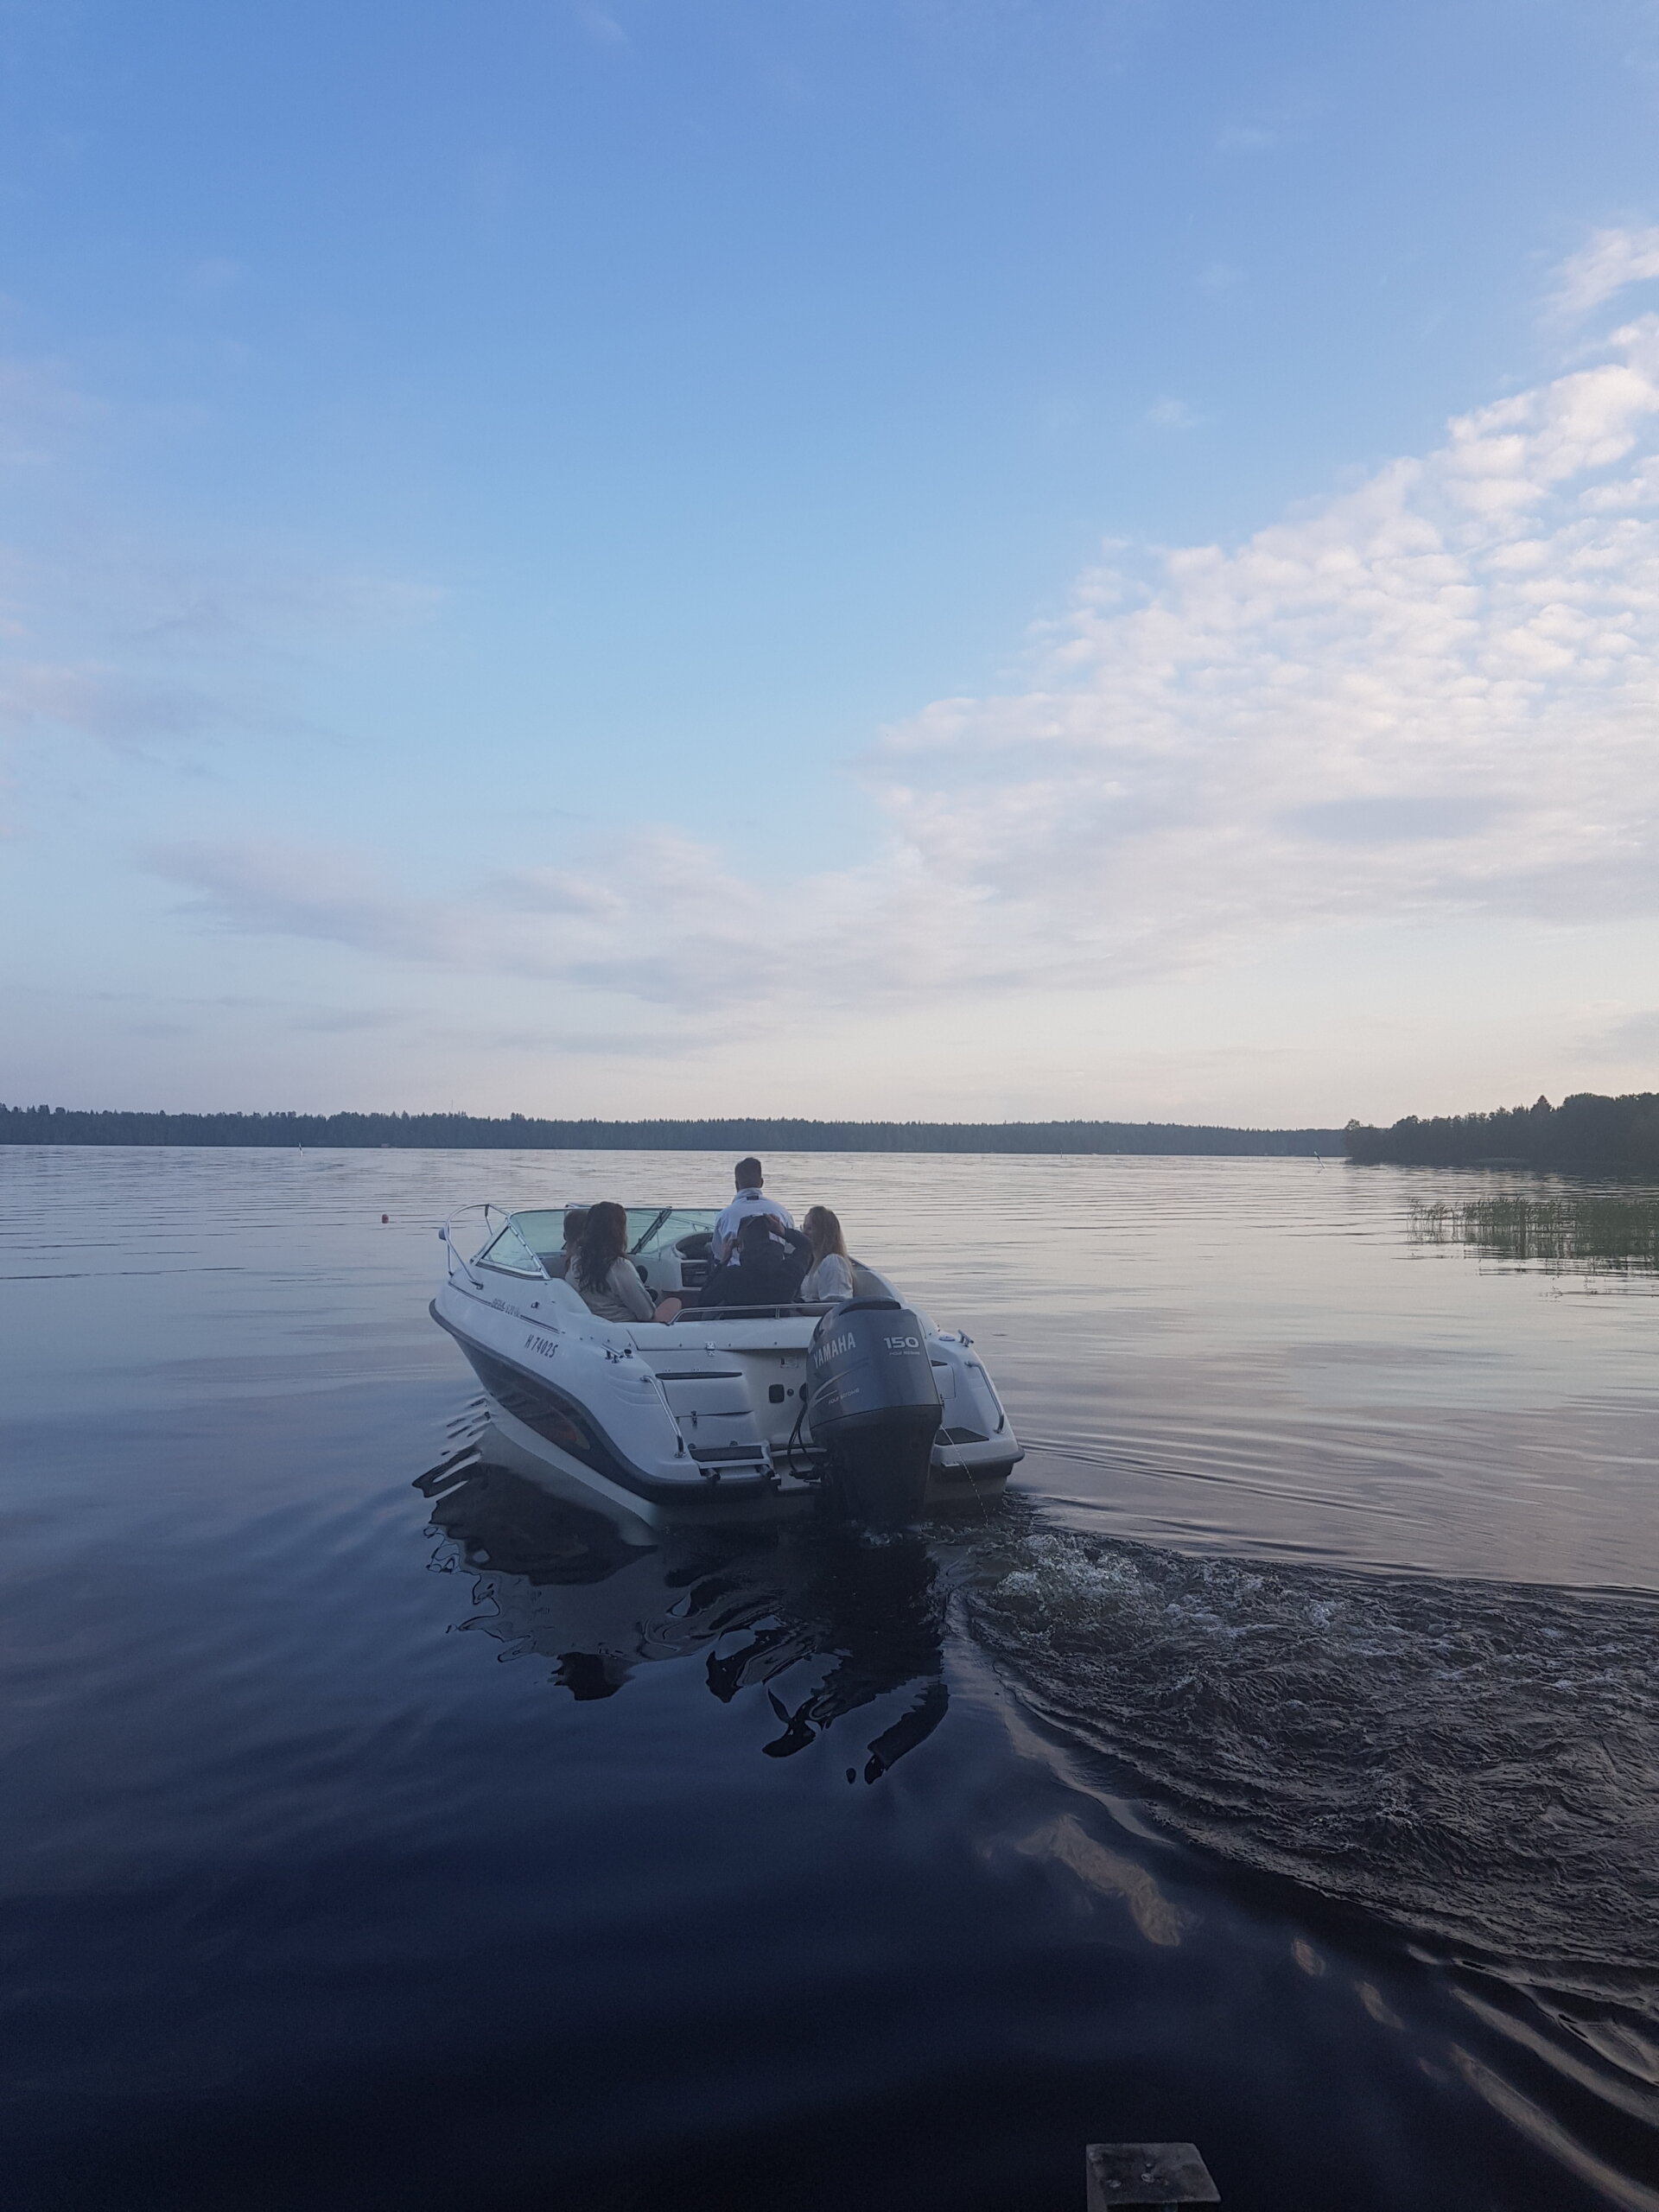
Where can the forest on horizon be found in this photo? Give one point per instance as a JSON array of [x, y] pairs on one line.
[[1584, 1132], [423, 1132]]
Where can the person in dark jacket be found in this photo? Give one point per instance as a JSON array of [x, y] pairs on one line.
[[764, 1270]]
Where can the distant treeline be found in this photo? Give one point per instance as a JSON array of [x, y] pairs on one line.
[[467, 1132], [1584, 1131]]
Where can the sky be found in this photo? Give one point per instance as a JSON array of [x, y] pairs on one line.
[[954, 559]]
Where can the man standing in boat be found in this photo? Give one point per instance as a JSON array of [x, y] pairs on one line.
[[750, 1200]]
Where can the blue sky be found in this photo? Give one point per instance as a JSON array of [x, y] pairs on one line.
[[881, 559]]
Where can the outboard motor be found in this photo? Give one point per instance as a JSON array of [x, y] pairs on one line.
[[874, 1408]]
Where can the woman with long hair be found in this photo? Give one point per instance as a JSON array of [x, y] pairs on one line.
[[830, 1276], [601, 1272]]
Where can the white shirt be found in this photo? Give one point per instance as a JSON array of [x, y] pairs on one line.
[[832, 1279], [745, 1204]]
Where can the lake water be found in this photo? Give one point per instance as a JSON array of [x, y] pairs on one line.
[[1278, 1769]]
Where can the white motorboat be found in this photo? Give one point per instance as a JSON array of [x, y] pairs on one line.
[[724, 1412]]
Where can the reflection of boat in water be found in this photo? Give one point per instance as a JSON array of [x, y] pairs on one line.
[[722, 1413], [826, 1621]]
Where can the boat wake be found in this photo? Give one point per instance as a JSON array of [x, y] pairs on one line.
[[1463, 1775], [1480, 1762], [1474, 1764]]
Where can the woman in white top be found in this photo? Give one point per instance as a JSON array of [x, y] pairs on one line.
[[601, 1272], [830, 1276]]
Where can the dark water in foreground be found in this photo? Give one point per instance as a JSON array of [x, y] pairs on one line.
[[1279, 1770]]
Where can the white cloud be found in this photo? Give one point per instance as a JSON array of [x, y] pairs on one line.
[[661, 921], [1430, 698], [1467, 646], [1605, 263]]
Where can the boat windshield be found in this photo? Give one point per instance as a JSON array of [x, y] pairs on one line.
[[650, 1228], [673, 1222], [510, 1250]]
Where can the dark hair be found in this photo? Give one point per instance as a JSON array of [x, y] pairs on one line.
[[604, 1241], [576, 1220], [748, 1175], [755, 1231]]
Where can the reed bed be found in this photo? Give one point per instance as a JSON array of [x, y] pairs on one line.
[[1599, 1233]]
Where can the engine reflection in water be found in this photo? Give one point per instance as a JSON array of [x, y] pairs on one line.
[[825, 1621]]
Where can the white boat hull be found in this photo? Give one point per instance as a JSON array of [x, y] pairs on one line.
[[704, 1418]]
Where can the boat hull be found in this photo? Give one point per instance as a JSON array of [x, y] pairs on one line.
[[690, 1424]]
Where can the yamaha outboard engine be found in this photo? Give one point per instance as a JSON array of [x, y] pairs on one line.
[[874, 1408]]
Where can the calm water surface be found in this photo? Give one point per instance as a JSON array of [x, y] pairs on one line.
[[1279, 1769]]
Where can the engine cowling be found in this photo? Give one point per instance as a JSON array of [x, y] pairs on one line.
[[874, 1408]]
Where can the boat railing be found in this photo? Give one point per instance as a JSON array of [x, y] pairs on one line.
[[487, 1207], [797, 1309]]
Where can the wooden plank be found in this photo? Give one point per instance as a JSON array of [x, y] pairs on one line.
[[1148, 2174]]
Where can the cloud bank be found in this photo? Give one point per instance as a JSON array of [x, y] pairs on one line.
[[1432, 694], [1436, 695]]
